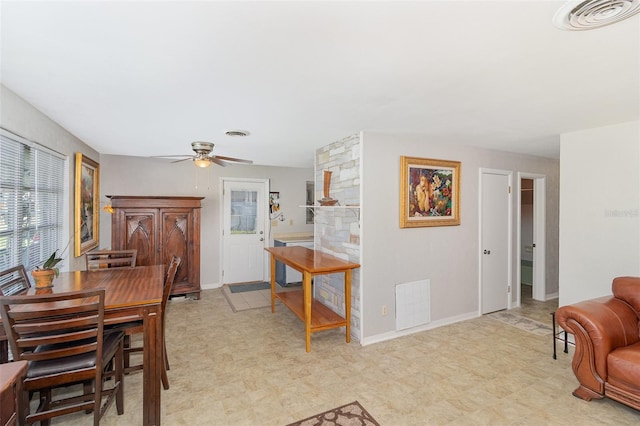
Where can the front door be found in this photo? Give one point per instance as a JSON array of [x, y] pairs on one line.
[[494, 241], [245, 205]]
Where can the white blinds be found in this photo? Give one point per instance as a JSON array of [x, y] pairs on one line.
[[31, 203]]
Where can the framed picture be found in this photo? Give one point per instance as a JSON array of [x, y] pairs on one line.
[[274, 202], [429, 192], [87, 204]]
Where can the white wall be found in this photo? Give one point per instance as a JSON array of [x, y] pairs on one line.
[[526, 231], [448, 255], [148, 176], [599, 209], [21, 118]]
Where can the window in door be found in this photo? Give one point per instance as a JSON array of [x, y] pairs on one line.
[[244, 210]]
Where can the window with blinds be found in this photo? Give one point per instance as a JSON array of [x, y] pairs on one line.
[[31, 202]]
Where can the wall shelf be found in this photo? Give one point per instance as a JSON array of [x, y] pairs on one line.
[[355, 209], [317, 206]]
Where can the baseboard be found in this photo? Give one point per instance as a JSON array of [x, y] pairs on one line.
[[430, 326], [210, 286]]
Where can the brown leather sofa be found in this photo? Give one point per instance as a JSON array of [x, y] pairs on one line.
[[607, 336]]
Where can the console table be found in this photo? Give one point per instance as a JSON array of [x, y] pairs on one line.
[[316, 316]]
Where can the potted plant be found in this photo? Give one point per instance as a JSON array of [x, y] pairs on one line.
[[43, 275]]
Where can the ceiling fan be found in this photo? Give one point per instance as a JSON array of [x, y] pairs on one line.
[[204, 158]]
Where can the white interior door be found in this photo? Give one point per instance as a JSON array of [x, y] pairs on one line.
[[245, 205], [494, 241]]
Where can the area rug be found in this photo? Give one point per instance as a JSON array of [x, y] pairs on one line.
[[352, 414], [246, 300], [522, 323], [241, 288]]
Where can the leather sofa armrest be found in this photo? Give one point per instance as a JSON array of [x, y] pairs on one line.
[[599, 326]]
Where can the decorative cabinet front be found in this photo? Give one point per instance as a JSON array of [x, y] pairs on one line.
[[159, 228]]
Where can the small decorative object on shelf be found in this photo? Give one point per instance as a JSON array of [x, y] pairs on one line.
[[326, 200]]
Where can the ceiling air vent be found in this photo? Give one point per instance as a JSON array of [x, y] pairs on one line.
[[236, 133], [586, 15]]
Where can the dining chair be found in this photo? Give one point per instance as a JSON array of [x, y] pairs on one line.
[[136, 327], [99, 259], [61, 335], [14, 281]]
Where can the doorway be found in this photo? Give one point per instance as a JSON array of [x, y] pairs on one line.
[[495, 236], [244, 230], [531, 237]]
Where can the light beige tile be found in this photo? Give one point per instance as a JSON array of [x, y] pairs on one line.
[[250, 368]]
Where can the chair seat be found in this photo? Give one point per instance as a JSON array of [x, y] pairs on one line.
[[624, 368], [75, 362]]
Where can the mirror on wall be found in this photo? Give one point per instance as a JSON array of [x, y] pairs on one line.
[[309, 202]]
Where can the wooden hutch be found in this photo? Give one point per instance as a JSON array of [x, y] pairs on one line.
[[160, 227]]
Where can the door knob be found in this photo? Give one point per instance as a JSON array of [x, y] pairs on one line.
[[487, 252], [261, 239]]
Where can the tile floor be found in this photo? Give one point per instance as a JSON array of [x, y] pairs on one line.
[[252, 299], [250, 368]]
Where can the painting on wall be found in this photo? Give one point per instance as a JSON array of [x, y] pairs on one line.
[[274, 202], [429, 192], [86, 207]]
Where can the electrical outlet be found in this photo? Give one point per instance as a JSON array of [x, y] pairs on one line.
[[384, 310], [274, 223], [290, 222]]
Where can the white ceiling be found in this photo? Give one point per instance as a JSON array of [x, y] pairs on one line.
[[147, 78]]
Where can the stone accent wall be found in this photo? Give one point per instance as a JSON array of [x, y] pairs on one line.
[[337, 229]]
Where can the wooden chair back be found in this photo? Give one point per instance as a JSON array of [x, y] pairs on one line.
[[99, 259], [14, 281], [55, 330]]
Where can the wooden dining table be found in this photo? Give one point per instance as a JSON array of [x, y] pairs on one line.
[[131, 294]]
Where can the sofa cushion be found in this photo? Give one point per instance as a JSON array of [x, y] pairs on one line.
[[624, 368]]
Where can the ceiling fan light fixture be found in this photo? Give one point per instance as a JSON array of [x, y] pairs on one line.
[[580, 15], [202, 162]]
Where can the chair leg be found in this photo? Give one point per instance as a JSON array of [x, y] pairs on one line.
[[87, 389], [165, 379], [119, 371], [127, 344], [45, 399], [166, 358]]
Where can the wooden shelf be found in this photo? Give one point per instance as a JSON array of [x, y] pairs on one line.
[[322, 318], [317, 206]]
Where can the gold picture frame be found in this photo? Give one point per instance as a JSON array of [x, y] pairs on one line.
[[87, 204], [429, 192]]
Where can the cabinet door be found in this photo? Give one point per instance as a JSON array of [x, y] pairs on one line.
[[140, 234], [176, 234]]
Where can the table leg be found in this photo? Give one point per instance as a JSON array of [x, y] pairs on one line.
[[273, 283], [153, 362], [347, 302], [306, 291]]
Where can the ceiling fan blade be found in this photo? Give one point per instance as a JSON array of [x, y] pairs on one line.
[[237, 160], [184, 159], [169, 156], [214, 159]]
